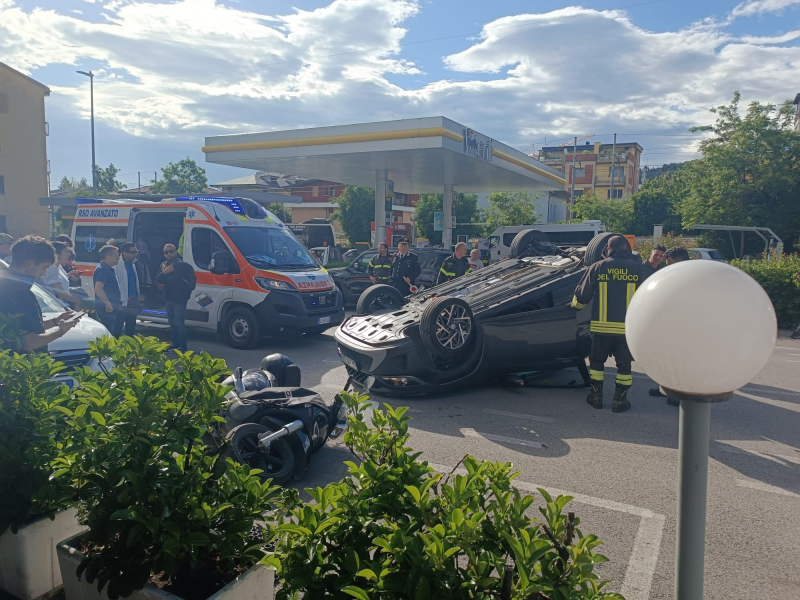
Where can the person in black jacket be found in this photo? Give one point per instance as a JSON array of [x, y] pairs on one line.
[[380, 267], [455, 265], [405, 269], [611, 283], [179, 280]]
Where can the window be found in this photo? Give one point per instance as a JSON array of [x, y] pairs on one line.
[[695, 255], [615, 193], [578, 193], [362, 263], [90, 238], [204, 243], [579, 172], [619, 173], [329, 191], [2, 185]]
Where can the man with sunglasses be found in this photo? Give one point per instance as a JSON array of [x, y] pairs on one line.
[[179, 281], [129, 287]]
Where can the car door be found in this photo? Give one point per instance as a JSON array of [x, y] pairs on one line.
[[359, 276], [207, 298]]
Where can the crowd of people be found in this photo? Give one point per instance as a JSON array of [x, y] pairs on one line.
[[115, 283]]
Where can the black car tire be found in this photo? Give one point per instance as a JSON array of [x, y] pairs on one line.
[[242, 329], [524, 238], [443, 315], [244, 449], [597, 246], [377, 297]]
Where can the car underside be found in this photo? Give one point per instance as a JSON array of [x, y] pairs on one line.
[[508, 318]]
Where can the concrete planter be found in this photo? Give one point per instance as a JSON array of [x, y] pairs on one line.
[[28, 562], [255, 584]]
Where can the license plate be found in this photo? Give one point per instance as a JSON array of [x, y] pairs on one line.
[[349, 362], [323, 320]]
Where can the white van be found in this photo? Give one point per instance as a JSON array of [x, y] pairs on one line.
[[253, 276], [578, 234]]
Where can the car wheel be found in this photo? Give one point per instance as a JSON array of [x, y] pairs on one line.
[[277, 463], [523, 240], [447, 326], [242, 328], [378, 297], [595, 251]]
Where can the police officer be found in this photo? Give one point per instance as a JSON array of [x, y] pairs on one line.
[[455, 265], [380, 266], [612, 283], [405, 269]]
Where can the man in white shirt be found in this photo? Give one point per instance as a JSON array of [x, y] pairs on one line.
[[475, 261]]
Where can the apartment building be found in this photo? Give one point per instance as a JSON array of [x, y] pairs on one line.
[[24, 168], [797, 113], [592, 168]]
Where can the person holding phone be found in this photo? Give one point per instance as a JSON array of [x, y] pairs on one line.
[[31, 256]]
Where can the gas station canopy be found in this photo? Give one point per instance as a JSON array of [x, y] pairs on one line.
[[412, 156]]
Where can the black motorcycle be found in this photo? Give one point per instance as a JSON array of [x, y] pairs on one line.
[[272, 423]]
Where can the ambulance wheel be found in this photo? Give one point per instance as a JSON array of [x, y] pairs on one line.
[[241, 328], [523, 240], [596, 249], [377, 297]]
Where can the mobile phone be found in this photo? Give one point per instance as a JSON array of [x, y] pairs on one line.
[[75, 317]]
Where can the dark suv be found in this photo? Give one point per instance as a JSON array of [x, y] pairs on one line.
[[353, 279]]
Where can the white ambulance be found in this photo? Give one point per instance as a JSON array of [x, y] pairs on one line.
[[254, 277]]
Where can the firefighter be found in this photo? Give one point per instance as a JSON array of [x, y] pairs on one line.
[[380, 266], [455, 265], [405, 269], [612, 283]]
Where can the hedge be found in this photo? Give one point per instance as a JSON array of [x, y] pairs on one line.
[[780, 280]]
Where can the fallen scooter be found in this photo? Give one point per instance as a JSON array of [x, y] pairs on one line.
[[272, 423]]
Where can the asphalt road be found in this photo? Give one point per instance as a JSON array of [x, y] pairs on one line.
[[621, 468]]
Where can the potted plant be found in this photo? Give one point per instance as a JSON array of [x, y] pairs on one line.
[[164, 513], [397, 529], [34, 512]]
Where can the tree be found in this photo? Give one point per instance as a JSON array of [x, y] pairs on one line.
[[106, 179], [658, 203], [749, 172], [467, 211], [356, 213], [66, 183], [616, 215], [511, 208], [280, 211], [183, 177]]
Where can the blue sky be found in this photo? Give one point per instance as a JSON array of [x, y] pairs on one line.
[[171, 72]]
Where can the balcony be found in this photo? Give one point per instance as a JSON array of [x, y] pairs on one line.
[[618, 181], [622, 157]]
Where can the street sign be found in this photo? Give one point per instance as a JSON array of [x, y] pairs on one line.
[[438, 221]]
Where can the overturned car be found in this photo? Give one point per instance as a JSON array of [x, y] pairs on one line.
[[508, 318]]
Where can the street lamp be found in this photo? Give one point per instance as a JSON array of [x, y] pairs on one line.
[[90, 75], [701, 329]]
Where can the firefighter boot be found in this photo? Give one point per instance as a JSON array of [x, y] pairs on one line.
[[595, 397], [621, 402]]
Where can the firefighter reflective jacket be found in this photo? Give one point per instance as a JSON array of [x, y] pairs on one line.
[[453, 267], [612, 283], [380, 267], [405, 266]]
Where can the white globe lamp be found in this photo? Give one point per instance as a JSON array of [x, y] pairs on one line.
[[701, 330]]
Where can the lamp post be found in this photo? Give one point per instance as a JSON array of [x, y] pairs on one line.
[[90, 75], [701, 329]]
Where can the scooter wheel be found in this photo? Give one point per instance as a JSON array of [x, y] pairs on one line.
[[276, 464]]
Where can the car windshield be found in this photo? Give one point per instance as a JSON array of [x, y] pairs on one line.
[[47, 302], [273, 248], [715, 255]]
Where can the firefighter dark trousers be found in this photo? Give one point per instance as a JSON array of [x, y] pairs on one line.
[[604, 346]]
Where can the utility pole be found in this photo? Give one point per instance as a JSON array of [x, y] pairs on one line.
[[139, 177], [90, 75], [155, 176], [613, 161], [572, 193]]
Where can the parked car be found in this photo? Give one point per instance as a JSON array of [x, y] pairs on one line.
[[508, 318], [353, 279], [706, 254]]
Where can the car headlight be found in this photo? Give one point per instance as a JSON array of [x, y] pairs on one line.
[[271, 284]]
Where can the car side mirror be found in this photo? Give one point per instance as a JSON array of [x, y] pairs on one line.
[[222, 263]]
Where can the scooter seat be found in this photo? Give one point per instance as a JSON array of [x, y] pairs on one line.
[[280, 395]]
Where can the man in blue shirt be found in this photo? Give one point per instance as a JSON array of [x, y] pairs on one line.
[[107, 295], [128, 280]]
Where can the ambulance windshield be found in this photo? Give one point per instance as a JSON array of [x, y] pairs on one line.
[[271, 248]]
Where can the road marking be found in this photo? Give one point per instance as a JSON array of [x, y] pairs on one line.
[[779, 403], [779, 392], [646, 545], [780, 459], [764, 487], [467, 432], [504, 413]]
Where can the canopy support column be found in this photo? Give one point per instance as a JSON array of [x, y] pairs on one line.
[[380, 206], [449, 221]]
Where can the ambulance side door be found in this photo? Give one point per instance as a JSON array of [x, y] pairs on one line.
[[212, 290]]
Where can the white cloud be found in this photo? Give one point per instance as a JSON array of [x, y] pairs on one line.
[[526, 77], [759, 7]]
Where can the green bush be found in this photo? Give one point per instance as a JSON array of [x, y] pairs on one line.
[[333, 265], [155, 498], [780, 280], [396, 529]]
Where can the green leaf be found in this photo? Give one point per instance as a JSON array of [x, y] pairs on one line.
[[423, 589], [369, 574], [414, 492], [355, 592], [197, 538], [100, 419]]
